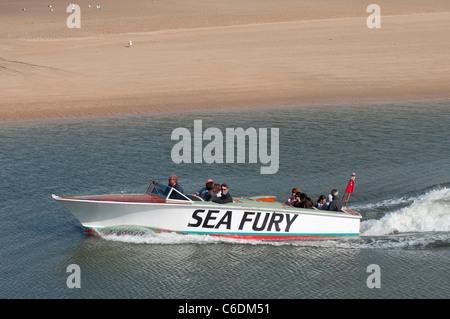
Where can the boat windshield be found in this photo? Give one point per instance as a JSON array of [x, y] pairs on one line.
[[165, 191]]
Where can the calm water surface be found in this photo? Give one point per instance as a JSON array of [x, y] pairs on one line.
[[400, 153]]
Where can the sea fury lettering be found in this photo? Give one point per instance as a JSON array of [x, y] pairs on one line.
[[274, 224], [224, 220], [213, 151], [257, 220]]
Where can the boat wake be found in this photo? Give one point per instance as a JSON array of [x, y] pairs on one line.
[[417, 222], [148, 236], [429, 212]]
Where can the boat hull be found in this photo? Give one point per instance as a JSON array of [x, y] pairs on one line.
[[247, 220]]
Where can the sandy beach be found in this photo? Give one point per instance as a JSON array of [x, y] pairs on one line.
[[209, 54]]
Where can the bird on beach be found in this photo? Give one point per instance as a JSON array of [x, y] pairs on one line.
[[130, 44]]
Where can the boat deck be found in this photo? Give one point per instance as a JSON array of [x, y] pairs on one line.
[[262, 202]]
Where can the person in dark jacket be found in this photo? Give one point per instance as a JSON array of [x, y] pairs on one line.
[[335, 204], [225, 197], [173, 182], [203, 192], [305, 201]]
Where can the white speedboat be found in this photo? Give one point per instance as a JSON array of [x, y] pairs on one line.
[[247, 218]]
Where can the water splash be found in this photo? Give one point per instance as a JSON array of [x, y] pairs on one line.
[[429, 212], [141, 235]]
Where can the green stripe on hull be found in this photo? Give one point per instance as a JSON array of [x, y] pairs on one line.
[[270, 234]]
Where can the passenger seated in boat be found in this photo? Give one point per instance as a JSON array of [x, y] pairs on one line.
[[305, 202], [335, 204], [330, 196], [322, 203], [205, 189], [213, 192], [173, 182], [225, 196], [291, 200], [217, 190], [296, 200]]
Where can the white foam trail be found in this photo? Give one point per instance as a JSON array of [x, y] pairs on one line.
[[414, 241], [405, 241], [169, 238], [429, 212], [383, 204]]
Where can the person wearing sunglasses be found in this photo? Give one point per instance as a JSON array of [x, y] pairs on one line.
[[225, 197], [292, 199], [173, 182]]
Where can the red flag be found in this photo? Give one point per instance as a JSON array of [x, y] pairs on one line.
[[351, 185]]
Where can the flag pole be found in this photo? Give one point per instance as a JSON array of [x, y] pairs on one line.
[[350, 188]]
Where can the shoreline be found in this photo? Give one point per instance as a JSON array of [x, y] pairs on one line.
[[355, 104], [184, 60]]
